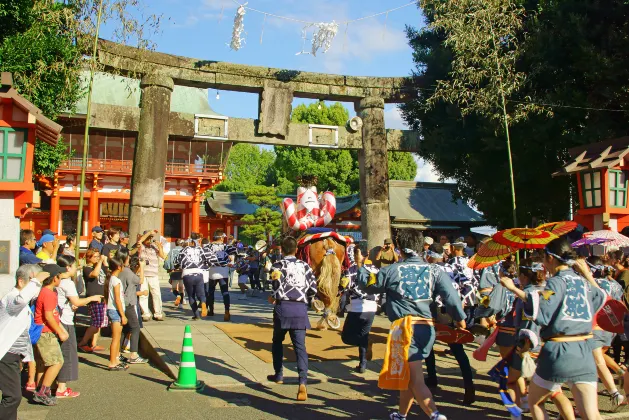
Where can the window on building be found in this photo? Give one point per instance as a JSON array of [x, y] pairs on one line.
[[592, 189], [69, 219], [618, 188], [12, 154]]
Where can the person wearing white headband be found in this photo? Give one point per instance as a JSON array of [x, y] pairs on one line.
[[411, 286], [564, 310]]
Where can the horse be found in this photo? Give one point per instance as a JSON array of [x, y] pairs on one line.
[[326, 256]]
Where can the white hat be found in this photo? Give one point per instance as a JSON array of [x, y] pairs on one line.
[[428, 240]]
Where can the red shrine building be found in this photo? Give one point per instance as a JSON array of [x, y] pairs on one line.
[[602, 176], [20, 124], [193, 165]]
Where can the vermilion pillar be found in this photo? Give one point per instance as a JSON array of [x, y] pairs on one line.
[[93, 210], [55, 202], [196, 214]]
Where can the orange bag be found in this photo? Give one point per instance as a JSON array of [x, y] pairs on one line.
[[395, 374]]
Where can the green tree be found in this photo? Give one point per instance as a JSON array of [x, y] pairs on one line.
[[336, 170], [266, 220], [567, 69], [248, 165], [48, 158], [43, 44]]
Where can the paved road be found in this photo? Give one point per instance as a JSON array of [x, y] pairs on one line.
[[335, 391]]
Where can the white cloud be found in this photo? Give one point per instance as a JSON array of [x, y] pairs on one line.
[[393, 119], [425, 171]]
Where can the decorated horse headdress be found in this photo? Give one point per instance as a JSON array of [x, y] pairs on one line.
[[312, 210]]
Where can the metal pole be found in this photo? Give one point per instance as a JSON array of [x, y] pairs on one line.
[[86, 138]]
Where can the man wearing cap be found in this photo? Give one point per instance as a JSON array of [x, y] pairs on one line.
[[150, 251], [124, 239], [49, 356], [27, 245], [15, 343], [97, 239], [387, 255], [49, 246]]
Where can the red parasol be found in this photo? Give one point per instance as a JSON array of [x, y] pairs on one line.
[[489, 253], [558, 228], [524, 238]]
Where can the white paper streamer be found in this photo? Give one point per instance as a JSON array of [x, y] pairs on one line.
[[323, 36], [239, 27]]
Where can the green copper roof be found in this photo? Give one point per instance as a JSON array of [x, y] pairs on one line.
[[122, 91], [428, 203]]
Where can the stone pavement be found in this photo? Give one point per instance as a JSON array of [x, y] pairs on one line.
[[236, 380]]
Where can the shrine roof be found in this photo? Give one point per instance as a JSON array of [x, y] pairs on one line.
[[109, 89], [46, 129], [409, 202], [426, 202], [604, 154]]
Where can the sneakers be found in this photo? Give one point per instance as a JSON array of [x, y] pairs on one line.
[[524, 404], [31, 387], [146, 318], [118, 367], [44, 399], [227, 316], [203, 309], [360, 369], [437, 416], [617, 400], [137, 360], [68, 393], [396, 416], [278, 378], [177, 301]]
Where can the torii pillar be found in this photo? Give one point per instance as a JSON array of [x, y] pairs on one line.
[[374, 173], [149, 160]]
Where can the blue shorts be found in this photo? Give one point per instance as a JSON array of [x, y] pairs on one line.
[[422, 342], [114, 316]]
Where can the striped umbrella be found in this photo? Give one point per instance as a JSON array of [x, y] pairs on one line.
[[478, 263], [559, 228], [524, 238], [611, 237], [489, 253]]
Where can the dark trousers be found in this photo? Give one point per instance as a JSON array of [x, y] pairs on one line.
[[617, 347], [459, 354], [356, 332], [133, 326], [469, 315], [298, 337], [209, 292], [254, 278], [10, 386], [343, 302], [195, 289]]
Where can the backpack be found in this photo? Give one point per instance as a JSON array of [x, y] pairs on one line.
[[34, 331]]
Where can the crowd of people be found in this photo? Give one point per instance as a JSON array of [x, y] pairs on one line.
[[541, 311]]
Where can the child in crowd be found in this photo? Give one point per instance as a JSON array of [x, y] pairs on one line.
[[116, 313], [94, 277], [48, 351]]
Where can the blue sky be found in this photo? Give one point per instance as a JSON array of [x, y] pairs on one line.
[[370, 47]]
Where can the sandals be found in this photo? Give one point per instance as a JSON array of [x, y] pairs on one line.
[[118, 367]]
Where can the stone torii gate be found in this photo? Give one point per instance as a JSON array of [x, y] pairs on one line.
[[159, 73]]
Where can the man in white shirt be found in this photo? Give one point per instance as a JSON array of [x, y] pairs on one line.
[[15, 343]]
